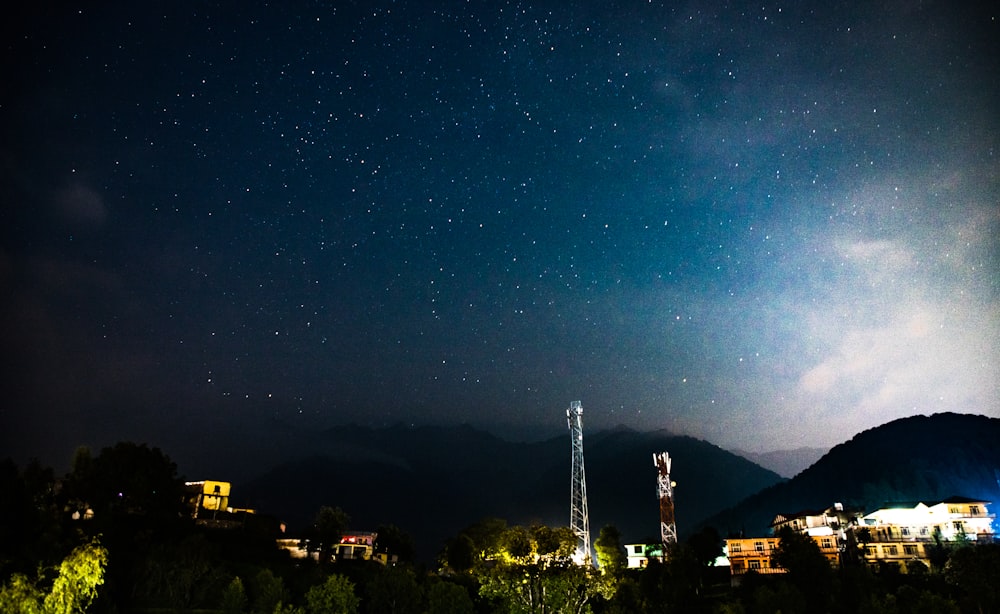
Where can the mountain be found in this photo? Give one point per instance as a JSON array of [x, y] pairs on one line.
[[434, 481], [920, 458], [786, 463]]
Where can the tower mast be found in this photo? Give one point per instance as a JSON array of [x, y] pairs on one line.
[[579, 520], [665, 491]]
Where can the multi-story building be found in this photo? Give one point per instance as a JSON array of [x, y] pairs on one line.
[[903, 534], [834, 520], [751, 554], [756, 554]]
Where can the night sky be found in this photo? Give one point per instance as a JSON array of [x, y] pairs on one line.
[[760, 224]]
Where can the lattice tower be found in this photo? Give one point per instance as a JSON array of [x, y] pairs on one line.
[[579, 520], [665, 491]]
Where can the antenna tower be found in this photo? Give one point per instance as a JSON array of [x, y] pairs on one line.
[[579, 520], [665, 491]]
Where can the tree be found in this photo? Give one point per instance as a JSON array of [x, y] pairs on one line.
[[182, 574], [609, 550], [129, 480], [74, 588], [234, 598], [328, 527], [334, 596], [706, 546], [29, 518], [268, 592], [459, 553], [808, 570], [21, 596], [390, 540], [976, 570], [449, 598], [394, 591], [539, 577]]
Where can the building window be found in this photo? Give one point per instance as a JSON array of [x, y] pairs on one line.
[[953, 509], [735, 547], [869, 550], [637, 549], [827, 543], [923, 531], [910, 550], [906, 531], [758, 546], [754, 564], [737, 566], [890, 550], [958, 526], [973, 510]]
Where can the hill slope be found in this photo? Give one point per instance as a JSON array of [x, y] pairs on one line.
[[433, 481], [921, 458]]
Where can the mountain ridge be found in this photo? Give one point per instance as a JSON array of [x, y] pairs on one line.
[[434, 481], [917, 458]]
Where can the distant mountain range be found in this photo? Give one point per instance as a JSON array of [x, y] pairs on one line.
[[786, 463], [921, 458], [434, 481]]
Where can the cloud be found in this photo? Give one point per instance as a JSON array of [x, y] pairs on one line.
[[908, 322]]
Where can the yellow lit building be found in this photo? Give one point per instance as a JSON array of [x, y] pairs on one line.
[[207, 495], [755, 554], [751, 554]]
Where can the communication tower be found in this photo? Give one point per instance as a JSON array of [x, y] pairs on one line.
[[665, 491], [579, 520]]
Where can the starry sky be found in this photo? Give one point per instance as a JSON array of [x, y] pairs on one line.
[[766, 225]]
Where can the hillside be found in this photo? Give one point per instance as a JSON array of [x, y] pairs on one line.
[[920, 458], [433, 481]]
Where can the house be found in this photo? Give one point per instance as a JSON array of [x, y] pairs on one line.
[[208, 503], [355, 546], [639, 555], [751, 554], [207, 496], [833, 521], [905, 534]]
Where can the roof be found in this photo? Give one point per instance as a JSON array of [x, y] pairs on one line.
[[900, 505]]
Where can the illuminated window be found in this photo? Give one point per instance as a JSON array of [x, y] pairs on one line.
[[758, 546], [735, 547], [827, 542]]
